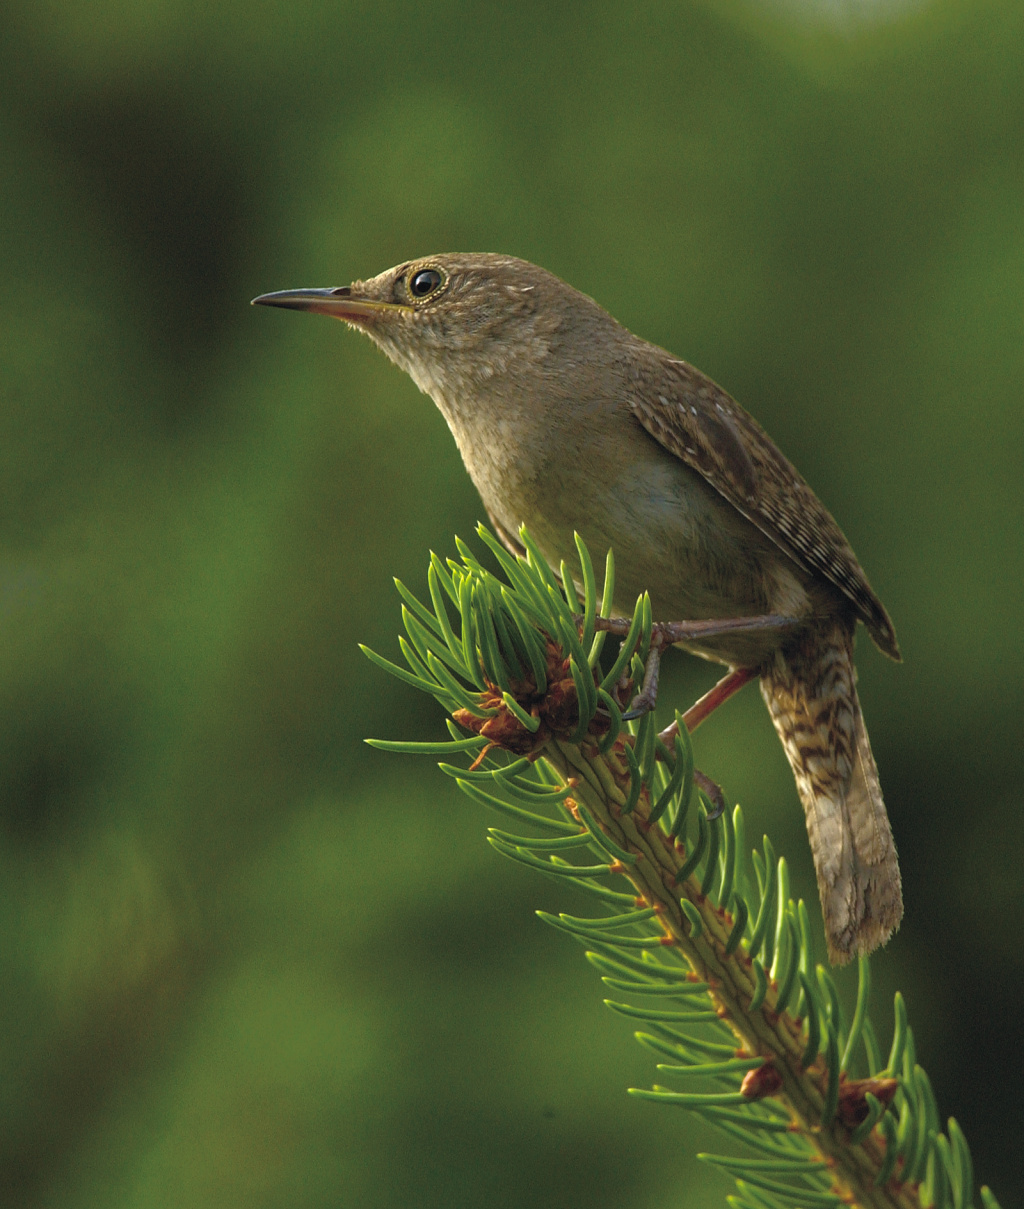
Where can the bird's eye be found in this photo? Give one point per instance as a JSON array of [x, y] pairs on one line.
[[424, 282]]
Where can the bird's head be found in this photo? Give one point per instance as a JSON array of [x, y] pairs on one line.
[[455, 321]]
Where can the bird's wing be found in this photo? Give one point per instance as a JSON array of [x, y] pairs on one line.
[[698, 422]]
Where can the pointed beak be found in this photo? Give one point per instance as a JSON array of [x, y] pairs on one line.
[[338, 303]]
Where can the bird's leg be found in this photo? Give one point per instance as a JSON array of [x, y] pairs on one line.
[[712, 699], [664, 633], [696, 714], [647, 697], [691, 631]]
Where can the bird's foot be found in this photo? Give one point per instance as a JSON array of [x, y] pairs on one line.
[[713, 791], [665, 633], [647, 698]]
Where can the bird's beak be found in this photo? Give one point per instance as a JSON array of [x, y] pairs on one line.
[[338, 303]]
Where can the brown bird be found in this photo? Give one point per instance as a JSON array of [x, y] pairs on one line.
[[567, 421]]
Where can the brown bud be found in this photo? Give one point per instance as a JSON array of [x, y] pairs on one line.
[[853, 1103], [761, 1082]]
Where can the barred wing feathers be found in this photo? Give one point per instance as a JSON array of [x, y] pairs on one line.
[[702, 426]]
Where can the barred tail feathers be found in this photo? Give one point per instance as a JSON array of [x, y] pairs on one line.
[[810, 690]]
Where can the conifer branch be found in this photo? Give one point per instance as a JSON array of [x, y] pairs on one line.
[[712, 945]]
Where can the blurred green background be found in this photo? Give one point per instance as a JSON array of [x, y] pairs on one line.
[[247, 961]]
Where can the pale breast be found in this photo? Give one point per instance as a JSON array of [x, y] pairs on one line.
[[672, 533]]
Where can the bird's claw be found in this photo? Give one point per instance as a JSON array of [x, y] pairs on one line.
[[647, 698], [713, 791], [666, 633]]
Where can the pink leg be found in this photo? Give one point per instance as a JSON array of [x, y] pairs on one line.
[[711, 700]]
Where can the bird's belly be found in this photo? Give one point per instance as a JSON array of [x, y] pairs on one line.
[[673, 535]]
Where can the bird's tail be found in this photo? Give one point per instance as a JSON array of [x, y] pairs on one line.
[[810, 688]]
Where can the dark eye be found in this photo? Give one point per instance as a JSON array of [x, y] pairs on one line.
[[424, 282]]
